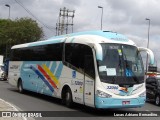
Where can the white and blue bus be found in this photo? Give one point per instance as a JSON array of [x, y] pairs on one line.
[[100, 69]]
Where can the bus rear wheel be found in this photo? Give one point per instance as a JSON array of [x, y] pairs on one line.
[[20, 86], [67, 98]]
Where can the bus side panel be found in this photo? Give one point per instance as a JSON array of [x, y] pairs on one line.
[[49, 78], [41, 76], [89, 91], [28, 76], [14, 72], [75, 80]]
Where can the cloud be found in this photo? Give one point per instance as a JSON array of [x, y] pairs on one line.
[[71, 4], [123, 16]]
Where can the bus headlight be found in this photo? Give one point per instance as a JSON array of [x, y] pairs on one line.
[[143, 94], [103, 94]]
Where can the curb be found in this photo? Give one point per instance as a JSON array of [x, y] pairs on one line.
[[6, 106]]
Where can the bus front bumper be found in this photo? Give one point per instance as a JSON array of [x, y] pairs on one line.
[[103, 103]]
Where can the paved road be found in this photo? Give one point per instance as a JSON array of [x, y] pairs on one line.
[[36, 102]]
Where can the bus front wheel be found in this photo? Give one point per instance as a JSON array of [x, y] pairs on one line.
[[20, 86], [67, 98]]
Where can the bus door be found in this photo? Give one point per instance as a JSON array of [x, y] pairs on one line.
[[89, 80]]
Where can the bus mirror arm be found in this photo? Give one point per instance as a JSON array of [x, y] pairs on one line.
[[150, 53]]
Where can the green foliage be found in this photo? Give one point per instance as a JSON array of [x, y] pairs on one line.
[[19, 31]]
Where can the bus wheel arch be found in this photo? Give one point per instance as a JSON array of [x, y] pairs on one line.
[[66, 96], [20, 86]]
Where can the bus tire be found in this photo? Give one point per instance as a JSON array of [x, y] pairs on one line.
[[20, 86], [67, 98], [157, 100]]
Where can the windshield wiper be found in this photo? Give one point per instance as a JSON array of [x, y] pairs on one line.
[[135, 79], [113, 79]]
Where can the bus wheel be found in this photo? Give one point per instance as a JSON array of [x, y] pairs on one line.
[[68, 98], [157, 100], [20, 86]]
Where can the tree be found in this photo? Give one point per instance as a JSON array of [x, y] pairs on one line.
[[18, 31]]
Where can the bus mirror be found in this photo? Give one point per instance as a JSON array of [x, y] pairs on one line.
[[150, 53], [99, 53]]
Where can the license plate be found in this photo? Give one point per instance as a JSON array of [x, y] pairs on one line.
[[125, 102]]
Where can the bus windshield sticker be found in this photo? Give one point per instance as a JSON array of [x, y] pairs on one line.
[[113, 47], [102, 68], [120, 52], [111, 71]]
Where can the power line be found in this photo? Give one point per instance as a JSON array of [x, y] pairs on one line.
[[18, 2]]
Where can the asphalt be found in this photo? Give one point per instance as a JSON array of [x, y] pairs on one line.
[[8, 107]]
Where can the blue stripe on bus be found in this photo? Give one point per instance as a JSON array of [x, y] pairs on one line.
[[59, 70], [41, 76], [54, 65], [47, 64]]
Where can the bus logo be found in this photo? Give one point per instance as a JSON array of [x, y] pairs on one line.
[[112, 87], [74, 74]]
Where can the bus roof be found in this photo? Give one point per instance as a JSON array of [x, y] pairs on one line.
[[88, 37]]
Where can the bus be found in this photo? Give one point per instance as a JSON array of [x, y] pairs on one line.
[[100, 69]]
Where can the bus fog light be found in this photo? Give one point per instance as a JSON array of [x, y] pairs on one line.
[[103, 94]]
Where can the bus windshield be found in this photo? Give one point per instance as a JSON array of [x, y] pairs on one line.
[[121, 64]]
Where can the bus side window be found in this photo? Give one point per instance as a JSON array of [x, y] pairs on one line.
[[75, 55]]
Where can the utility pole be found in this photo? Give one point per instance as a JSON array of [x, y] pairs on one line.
[[63, 21]]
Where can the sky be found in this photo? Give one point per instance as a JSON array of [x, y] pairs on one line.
[[127, 17]]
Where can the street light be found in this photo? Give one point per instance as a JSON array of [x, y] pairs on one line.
[[9, 19], [147, 43], [101, 15], [9, 10]]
